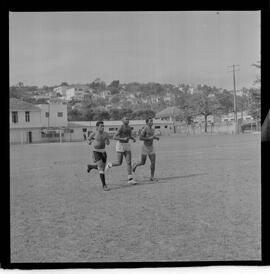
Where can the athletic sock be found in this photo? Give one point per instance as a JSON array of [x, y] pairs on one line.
[[102, 178]]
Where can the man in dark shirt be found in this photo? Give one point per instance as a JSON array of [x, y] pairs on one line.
[[99, 140]]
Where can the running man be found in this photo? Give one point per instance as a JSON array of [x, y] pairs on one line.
[[99, 140], [148, 136], [122, 136]]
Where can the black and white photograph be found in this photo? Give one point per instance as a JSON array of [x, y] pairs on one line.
[[135, 136]]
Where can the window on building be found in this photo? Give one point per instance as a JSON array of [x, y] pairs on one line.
[[27, 116], [84, 129], [46, 114], [14, 117], [112, 129], [59, 114], [157, 126], [165, 126], [132, 128]]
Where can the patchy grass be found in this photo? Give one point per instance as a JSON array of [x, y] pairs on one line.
[[206, 205]]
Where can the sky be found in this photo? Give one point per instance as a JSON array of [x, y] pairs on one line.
[[191, 47]]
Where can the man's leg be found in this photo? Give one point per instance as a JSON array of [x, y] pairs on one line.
[[152, 158], [118, 163], [129, 168], [141, 163], [119, 159], [90, 167], [101, 167], [95, 158]]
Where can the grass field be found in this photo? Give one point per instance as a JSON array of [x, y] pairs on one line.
[[206, 205]]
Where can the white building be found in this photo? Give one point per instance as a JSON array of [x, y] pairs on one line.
[[230, 117], [54, 114], [200, 119], [105, 93], [24, 122], [28, 121], [61, 90], [76, 92]]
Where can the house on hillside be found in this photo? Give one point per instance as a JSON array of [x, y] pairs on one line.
[[61, 90], [77, 92], [105, 93]]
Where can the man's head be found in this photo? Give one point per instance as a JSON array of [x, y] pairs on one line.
[[125, 120], [149, 121], [100, 126]]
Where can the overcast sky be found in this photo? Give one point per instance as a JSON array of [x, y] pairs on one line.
[[48, 48]]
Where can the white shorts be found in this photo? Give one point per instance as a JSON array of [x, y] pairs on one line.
[[148, 150], [122, 147]]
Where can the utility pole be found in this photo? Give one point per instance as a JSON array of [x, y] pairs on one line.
[[234, 96]]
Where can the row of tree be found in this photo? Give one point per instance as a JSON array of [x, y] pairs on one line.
[[94, 114], [205, 101]]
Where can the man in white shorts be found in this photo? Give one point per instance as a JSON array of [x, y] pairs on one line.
[[148, 136], [122, 136]]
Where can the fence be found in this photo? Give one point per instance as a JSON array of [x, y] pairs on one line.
[[216, 128]]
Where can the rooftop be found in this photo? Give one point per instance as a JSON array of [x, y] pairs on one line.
[[19, 105], [169, 111]]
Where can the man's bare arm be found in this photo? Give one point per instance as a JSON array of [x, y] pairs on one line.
[[107, 140], [116, 136]]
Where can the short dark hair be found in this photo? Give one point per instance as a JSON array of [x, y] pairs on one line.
[[147, 119], [99, 123]]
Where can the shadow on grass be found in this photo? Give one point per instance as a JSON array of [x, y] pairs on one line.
[[161, 180]]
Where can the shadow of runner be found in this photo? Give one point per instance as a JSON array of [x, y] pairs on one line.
[[162, 180]]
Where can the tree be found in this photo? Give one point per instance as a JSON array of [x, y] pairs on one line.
[[205, 103], [255, 96], [115, 114], [255, 103], [115, 99], [75, 115], [114, 87], [126, 112], [97, 85], [258, 77], [225, 99], [101, 115], [14, 92], [143, 114]]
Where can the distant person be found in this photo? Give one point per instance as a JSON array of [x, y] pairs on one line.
[[123, 148], [99, 140], [148, 136]]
